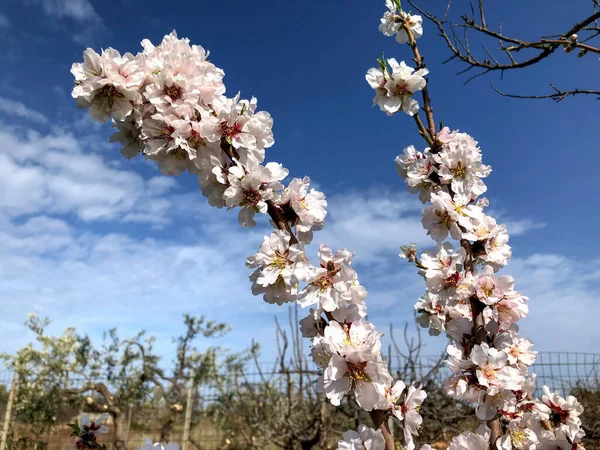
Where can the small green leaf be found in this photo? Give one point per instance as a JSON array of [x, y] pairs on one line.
[[75, 427]]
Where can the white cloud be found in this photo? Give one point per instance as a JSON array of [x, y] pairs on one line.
[[78, 273], [52, 174], [373, 223], [17, 109], [78, 10], [519, 227]]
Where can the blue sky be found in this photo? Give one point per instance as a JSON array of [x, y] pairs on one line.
[[94, 241]]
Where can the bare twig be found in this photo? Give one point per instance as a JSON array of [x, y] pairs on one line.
[[558, 94]]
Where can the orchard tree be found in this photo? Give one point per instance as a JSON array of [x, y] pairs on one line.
[[168, 104], [68, 370]]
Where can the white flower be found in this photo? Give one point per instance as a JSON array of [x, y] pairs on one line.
[[389, 398], [148, 445], [358, 336], [442, 267], [409, 414], [250, 186], [239, 124], [562, 413], [469, 441], [493, 371], [312, 325], [394, 91], [365, 439], [108, 84], [415, 23], [309, 207], [275, 263], [460, 164], [333, 284], [129, 135], [517, 349], [95, 426], [447, 215], [391, 23], [360, 372]]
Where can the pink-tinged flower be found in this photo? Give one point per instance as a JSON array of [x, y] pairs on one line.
[[275, 263], [460, 164], [359, 336], [332, 285], [419, 170], [237, 122], [562, 413], [511, 308], [431, 310], [360, 372], [489, 289], [108, 84], [448, 215], [493, 371], [443, 269], [365, 439], [517, 349], [250, 187]]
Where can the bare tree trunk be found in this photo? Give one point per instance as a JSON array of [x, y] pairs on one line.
[[188, 412], [120, 439], [8, 414]]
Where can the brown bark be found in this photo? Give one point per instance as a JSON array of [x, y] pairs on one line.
[[379, 420]]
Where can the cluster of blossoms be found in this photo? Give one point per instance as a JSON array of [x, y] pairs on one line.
[[465, 298], [85, 432], [168, 104], [489, 361]]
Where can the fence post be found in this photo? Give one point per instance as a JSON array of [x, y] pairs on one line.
[[8, 413], [188, 412]]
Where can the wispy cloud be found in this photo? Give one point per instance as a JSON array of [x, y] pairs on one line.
[[78, 10], [4, 22], [68, 251], [13, 108], [49, 173], [519, 227], [81, 12]]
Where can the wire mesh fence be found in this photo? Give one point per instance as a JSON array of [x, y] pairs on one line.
[[209, 422]]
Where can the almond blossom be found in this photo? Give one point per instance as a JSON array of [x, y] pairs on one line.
[[395, 89], [364, 439], [275, 263], [168, 104]]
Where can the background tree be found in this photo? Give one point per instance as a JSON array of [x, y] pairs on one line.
[[69, 371]]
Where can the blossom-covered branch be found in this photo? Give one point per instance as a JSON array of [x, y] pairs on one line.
[[465, 298], [168, 104]]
